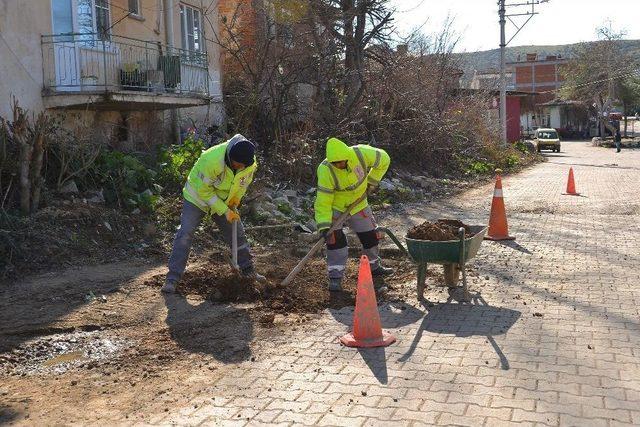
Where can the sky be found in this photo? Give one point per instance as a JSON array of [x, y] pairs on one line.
[[559, 21]]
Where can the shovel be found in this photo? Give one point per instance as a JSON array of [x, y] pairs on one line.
[[234, 245], [336, 225]]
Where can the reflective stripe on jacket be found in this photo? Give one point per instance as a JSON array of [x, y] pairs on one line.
[[338, 188], [211, 183]]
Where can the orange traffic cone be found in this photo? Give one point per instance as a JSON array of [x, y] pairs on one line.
[[498, 228], [367, 329], [571, 185]]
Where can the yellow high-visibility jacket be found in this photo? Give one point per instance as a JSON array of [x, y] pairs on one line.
[[211, 183], [338, 188]]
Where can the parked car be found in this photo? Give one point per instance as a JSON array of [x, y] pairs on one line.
[[547, 139]]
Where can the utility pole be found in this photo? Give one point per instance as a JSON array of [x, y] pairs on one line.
[[503, 76], [502, 11]]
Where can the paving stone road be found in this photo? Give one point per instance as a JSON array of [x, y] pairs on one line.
[[552, 336]]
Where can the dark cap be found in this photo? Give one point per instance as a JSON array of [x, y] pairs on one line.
[[243, 152]]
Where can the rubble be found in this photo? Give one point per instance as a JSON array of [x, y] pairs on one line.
[[70, 188]]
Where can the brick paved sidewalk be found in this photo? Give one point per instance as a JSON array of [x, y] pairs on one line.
[[552, 337]]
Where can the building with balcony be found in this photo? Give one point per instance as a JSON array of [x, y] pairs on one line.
[[138, 68]]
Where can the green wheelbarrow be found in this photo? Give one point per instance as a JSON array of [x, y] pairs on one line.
[[451, 254]]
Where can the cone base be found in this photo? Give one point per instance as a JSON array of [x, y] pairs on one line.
[[571, 194], [350, 341], [498, 238]]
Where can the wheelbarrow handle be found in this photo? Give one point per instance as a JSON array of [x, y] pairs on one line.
[[394, 238], [462, 233]]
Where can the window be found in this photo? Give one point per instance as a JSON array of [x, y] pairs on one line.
[[191, 23], [134, 7], [94, 17], [103, 23], [547, 135]]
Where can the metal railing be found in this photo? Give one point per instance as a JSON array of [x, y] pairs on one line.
[[86, 63]]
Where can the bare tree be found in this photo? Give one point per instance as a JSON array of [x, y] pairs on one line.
[[596, 72], [31, 137], [356, 25], [265, 58]]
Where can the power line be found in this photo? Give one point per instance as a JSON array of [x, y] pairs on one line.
[[635, 73], [411, 9]]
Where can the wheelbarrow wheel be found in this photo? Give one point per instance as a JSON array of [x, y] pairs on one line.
[[451, 275]]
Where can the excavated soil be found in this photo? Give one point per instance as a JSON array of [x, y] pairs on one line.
[[216, 280], [441, 230]]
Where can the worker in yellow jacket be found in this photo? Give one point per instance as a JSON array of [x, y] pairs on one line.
[[343, 177], [216, 184]]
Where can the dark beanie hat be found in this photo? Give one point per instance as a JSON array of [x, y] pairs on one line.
[[243, 151]]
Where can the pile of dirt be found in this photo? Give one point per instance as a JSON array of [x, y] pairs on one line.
[[215, 280], [441, 230]]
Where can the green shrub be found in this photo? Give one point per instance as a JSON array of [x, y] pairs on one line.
[[479, 167], [521, 146], [176, 162], [285, 208], [512, 160], [126, 181]]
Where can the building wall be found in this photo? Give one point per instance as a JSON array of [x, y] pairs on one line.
[[543, 76], [241, 17], [513, 118], [555, 121], [22, 23]]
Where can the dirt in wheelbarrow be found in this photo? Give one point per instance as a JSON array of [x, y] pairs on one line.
[[215, 280], [441, 230]]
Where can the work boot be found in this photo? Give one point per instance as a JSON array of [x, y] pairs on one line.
[[380, 289], [169, 287], [250, 273], [335, 285], [382, 271]]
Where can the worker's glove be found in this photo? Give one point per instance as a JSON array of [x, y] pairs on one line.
[[322, 233], [372, 189], [232, 215], [329, 238], [233, 203]]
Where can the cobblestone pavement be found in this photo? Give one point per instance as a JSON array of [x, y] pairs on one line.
[[552, 336]]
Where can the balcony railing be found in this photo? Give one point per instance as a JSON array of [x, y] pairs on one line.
[[85, 63]]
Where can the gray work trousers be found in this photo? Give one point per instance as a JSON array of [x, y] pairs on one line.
[[360, 222], [189, 221]]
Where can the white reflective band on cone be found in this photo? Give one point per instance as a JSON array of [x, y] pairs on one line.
[[497, 192]]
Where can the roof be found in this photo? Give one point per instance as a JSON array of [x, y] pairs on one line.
[[555, 102], [496, 92]]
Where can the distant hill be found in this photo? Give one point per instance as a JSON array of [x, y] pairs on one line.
[[484, 60]]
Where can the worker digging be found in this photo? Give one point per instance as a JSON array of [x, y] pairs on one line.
[[216, 184], [344, 179]]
